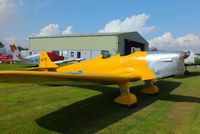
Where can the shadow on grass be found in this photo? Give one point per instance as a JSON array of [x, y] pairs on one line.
[[98, 112], [191, 74]]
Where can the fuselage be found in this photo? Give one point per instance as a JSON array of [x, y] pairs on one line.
[[149, 65]]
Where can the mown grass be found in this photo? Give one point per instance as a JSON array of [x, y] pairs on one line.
[[88, 109], [15, 66]]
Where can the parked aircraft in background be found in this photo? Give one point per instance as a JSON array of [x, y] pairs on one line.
[[6, 58], [193, 59], [117, 69], [35, 59], [197, 59]]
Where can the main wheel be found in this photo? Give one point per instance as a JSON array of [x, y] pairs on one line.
[[186, 72]]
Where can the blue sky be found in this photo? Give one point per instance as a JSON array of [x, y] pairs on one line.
[[171, 24]]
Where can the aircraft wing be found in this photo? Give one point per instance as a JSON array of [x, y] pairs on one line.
[[42, 76]]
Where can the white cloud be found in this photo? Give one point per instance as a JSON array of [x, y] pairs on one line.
[[16, 41], [68, 30], [7, 14], [51, 29], [133, 23], [168, 42]]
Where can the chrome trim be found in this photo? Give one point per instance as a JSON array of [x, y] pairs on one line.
[[125, 91]]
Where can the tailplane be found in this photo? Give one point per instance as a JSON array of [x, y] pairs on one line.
[[45, 64], [16, 54]]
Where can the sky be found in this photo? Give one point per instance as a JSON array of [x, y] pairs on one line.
[[166, 25]]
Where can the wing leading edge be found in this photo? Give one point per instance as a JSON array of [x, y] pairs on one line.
[[41, 76]]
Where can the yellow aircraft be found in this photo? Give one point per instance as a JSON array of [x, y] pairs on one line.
[[117, 69]]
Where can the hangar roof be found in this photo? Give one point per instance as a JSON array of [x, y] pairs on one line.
[[91, 41], [89, 34]]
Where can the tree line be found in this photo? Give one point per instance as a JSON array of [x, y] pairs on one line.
[[19, 47]]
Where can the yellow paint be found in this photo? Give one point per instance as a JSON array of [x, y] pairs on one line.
[[45, 61], [134, 64], [126, 98], [114, 70], [149, 88], [124, 86], [45, 64]]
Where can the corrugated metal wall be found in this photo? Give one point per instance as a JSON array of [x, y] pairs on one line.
[[74, 43], [86, 43], [86, 54]]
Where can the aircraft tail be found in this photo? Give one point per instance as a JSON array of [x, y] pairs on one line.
[[45, 64], [45, 61], [16, 54]]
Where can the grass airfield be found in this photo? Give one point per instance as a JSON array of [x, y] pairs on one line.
[[87, 109]]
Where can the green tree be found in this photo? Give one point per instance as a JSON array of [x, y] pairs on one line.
[[21, 48]]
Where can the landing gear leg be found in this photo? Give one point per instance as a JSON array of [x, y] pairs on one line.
[[186, 72], [126, 98], [149, 88]]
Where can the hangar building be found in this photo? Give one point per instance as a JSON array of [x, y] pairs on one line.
[[89, 46]]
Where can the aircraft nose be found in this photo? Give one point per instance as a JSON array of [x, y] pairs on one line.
[[164, 64]]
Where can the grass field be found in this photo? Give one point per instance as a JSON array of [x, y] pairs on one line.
[[88, 109]]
